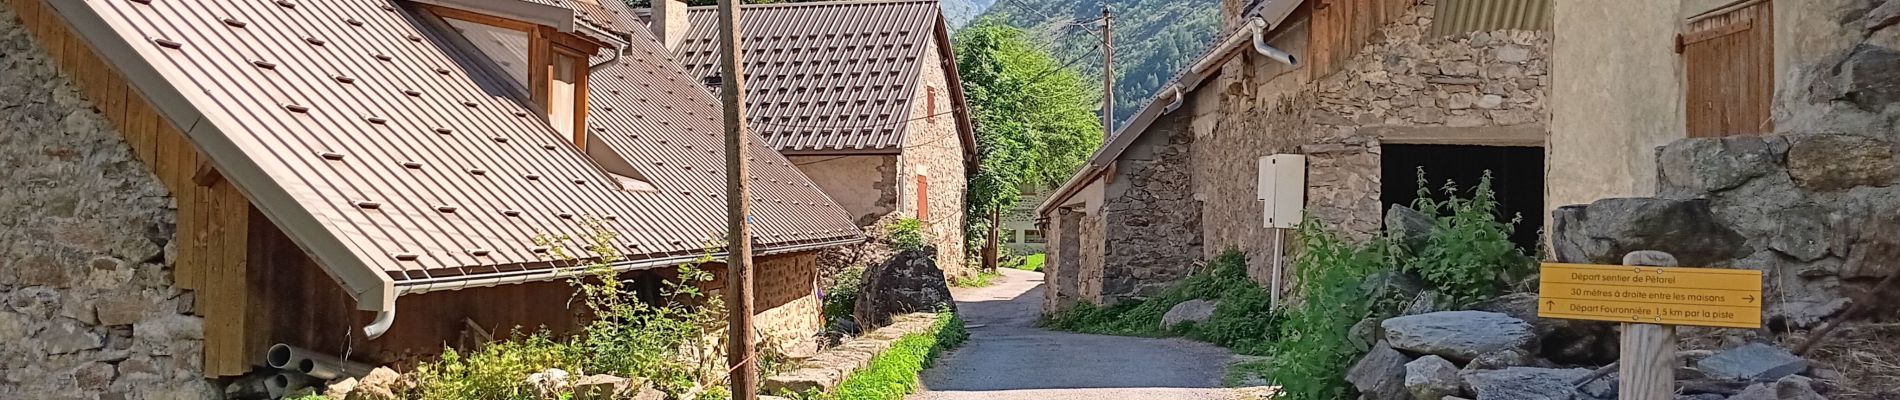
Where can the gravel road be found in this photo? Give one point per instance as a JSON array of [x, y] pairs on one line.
[[1008, 357]]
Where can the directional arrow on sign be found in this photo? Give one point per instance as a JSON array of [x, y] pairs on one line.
[[1549, 304], [1750, 298]]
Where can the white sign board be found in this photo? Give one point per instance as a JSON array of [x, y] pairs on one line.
[[1282, 189]]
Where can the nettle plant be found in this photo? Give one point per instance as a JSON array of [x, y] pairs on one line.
[[674, 344], [1470, 256], [908, 234]]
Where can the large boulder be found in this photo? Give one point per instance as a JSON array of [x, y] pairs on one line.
[[1380, 375], [1602, 232], [1753, 361], [1196, 311], [1408, 227], [1432, 378], [1564, 341], [1459, 335], [909, 282], [1841, 162], [1523, 383], [1701, 165]]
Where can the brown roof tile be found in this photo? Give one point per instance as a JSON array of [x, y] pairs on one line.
[[825, 76], [432, 171]]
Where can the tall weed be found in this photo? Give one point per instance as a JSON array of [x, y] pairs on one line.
[[1470, 256], [1314, 349]]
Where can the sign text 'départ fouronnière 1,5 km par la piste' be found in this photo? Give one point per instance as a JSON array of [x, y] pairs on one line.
[[1652, 295]]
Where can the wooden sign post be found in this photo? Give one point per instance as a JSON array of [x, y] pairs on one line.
[[1650, 298]]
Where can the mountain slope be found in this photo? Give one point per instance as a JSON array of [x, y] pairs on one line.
[[1153, 38], [961, 12]]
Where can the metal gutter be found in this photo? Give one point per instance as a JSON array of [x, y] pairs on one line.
[[372, 289], [418, 286], [560, 18]]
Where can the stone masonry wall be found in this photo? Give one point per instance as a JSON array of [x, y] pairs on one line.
[[1402, 86], [933, 147], [90, 308], [1150, 215]]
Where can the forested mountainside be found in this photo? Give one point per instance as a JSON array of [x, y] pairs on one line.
[[1153, 38], [961, 12]]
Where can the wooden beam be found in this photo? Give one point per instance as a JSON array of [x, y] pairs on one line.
[[1527, 135]]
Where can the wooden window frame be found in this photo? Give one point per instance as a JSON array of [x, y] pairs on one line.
[[544, 43], [930, 102]]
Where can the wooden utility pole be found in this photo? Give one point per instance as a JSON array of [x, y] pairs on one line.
[[1108, 71], [744, 371], [1647, 366]]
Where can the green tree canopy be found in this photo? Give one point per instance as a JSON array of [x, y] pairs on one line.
[[1035, 118]]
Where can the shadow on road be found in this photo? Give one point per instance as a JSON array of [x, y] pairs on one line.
[[1009, 357]]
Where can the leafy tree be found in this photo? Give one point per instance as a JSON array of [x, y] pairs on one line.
[[1153, 39], [1035, 118]]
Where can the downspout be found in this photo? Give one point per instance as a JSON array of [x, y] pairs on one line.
[[1176, 103], [620, 46], [379, 326], [1260, 45]]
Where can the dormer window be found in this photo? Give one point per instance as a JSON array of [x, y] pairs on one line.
[[549, 69], [548, 65]]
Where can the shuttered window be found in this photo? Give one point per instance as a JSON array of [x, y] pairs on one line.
[[923, 197], [1729, 62]]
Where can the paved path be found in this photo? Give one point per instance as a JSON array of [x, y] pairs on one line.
[[1008, 357]]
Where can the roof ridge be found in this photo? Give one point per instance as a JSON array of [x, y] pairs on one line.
[[817, 4]]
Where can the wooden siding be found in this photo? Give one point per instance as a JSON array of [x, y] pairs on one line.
[[1729, 62], [1341, 27], [213, 217]]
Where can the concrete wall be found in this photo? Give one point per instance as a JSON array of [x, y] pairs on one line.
[[1617, 94], [91, 307], [865, 185], [933, 149]]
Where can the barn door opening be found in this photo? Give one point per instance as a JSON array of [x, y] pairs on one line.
[[1517, 178]]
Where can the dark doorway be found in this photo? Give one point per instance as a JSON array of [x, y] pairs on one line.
[[1517, 177]]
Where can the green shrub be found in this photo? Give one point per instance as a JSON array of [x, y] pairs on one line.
[[907, 234], [893, 374], [1470, 257], [1314, 347], [1243, 322], [842, 296], [981, 279], [665, 344], [1032, 262]]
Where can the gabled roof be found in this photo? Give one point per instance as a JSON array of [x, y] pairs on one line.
[[831, 76], [402, 167]]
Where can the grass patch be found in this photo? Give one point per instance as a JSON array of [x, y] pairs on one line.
[[1032, 262], [1244, 321], [893, 374], [981, 279], [1247, 373]]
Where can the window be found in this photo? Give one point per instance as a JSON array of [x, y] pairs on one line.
[[923, 197], [1729, 64], [548, 65], [930, 102], [1033, 236]]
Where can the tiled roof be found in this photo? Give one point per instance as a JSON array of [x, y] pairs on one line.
[[429, 170], [825, 76]]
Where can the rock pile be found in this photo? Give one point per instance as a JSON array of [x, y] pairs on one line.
[[1486, 355], [909, 282]]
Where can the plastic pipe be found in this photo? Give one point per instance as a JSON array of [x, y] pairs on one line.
[[314, 364]]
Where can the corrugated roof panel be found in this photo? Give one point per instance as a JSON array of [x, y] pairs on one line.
[[1460, 16], [817, 82], [410, 152]]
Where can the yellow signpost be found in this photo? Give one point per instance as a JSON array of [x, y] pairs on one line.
[[1728, 298]]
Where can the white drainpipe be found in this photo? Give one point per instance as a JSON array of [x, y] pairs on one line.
[[1260, 46]]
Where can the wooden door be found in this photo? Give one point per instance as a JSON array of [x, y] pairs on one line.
[[1729, 63]]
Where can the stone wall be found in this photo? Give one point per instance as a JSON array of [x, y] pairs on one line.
[[90, 307], [1483, 88], [933, 149], [785, 299], [1061, 269], [1149, 213]]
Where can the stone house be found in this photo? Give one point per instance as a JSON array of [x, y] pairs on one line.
[[1776, 116], [871, 110], [1020, 233], [1367, 91], [191, 182]]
